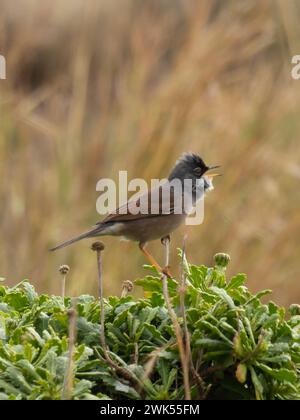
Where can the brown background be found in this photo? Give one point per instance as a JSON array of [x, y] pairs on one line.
[[94, 87]]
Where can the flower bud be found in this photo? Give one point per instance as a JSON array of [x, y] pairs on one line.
[[294, 309], [222, 260], [241, 373], [238, 346]]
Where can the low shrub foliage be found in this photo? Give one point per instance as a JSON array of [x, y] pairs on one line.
[[240, 348]]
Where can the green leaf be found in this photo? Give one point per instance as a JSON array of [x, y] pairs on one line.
[[224, 295], [8, 388], [81, 388], [259, 389], [16, 378], [279, 374], [154, 333], [236, 281], [215, 330], [209, 343], [29, 292], [238, 347], [232, 333], [154, 284]]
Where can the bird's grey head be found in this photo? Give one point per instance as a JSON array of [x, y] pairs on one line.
[[191, 166]]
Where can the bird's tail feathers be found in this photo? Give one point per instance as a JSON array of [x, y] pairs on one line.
[[89, 234]]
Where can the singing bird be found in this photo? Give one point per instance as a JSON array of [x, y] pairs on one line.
[[141, 226]]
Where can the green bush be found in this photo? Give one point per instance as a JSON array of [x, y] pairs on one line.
[[240, 347]]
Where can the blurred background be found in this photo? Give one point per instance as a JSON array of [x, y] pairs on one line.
[[98, 86]]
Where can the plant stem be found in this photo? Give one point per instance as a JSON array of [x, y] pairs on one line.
[[69, 375], [100, 289], [98, 247], [182, 291], [63, 287], [177, 329]]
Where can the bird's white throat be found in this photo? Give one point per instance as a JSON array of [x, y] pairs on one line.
[[208, 184]]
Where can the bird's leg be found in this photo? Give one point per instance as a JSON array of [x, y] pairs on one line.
[[149, 257], [166, 242]]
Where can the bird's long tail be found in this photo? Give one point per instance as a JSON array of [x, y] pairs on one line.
[[89, 234]]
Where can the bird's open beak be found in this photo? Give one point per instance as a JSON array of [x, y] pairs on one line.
[[212, 175]]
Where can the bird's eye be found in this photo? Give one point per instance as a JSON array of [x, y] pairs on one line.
[[198, 171]]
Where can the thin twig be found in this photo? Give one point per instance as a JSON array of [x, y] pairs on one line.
[[153, 356], [150, 364], [136, 354], [182, 291], [99, 247], [177, 329], [63, 288], [102, 315], [69, 374]]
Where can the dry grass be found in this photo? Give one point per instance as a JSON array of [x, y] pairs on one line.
[[95, 87]]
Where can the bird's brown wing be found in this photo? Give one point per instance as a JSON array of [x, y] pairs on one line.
[[151, 199]]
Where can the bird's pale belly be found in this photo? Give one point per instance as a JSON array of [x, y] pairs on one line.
[[148, 229]]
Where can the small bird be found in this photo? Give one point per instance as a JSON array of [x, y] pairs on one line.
[[144, 227]]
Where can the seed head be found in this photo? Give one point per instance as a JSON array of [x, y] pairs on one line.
[[127, 284], [97, 246], [64, 269], [166, 240], [127, 288]]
